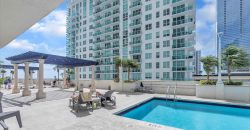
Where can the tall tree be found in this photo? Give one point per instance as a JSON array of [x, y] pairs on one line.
[[12, 73], [208, 64], [130, 64], [234, 58], [69, 73], [118, 63], [57, 69], [3, 72]]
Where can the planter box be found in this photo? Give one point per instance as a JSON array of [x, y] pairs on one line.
[[236, 93], [208, 91]]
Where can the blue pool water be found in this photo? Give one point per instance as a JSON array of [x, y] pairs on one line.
[[191, 115]]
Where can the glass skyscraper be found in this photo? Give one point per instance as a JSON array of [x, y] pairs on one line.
[[234, 21]]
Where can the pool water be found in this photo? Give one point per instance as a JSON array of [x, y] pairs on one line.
[[191, 115]]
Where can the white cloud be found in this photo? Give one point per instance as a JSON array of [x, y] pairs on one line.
[[54, 24], [206, 27], [39, 47]]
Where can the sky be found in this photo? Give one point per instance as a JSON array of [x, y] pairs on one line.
[[49, 35]]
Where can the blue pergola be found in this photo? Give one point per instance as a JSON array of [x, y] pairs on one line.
[[42, 58], [19, 67], [50, 59]]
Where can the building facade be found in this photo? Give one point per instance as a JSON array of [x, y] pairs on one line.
[[158, 34], [197, 69], [233, 20]]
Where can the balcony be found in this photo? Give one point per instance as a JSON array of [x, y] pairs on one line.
[[182, 68], [135, 52], [182, 45], [182, 57]]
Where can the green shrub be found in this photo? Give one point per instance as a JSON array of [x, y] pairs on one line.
[[233, 82], [209, 82], [129, 81], [213, 82]]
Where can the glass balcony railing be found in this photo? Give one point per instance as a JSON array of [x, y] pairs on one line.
[[182, 57]]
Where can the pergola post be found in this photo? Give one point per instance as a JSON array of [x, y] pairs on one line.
[[77, 77], [15, 88], [37, 78], [26, 90], [93, 79], [41, 94], [64, 79], [31, 78]]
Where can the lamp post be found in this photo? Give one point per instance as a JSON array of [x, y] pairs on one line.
[[219, 84]]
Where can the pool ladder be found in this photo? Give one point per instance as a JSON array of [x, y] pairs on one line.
[[168, 92]]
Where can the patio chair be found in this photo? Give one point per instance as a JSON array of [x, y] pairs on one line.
[[107, 98], [6, 115], [84, 99]]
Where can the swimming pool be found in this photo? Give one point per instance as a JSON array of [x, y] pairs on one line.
[[191, 115]]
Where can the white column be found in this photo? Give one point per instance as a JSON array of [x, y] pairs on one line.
[[26, 89], [93, 87], [77, 77], [31, 79], [64, 78], [15, 88], [41, 94], [37, 79], [219, 84]]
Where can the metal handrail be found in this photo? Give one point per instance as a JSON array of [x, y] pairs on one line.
[[175, 92]]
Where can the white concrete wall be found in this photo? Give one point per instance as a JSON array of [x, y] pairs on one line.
[[236, 93], [183, 87]]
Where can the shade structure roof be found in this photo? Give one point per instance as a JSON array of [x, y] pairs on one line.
[[19, 67], [33, 57]]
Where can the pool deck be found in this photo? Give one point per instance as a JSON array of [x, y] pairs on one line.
[[54, 113]]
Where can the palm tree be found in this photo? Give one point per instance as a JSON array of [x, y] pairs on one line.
[[130, 64], [3, 72], [12, 73], [56, 68], [208, 63], [118, 63], [234, 58], [69, 72]]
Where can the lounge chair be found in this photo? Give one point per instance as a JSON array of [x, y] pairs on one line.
[[84, 99], [107, 98], [6, 115]]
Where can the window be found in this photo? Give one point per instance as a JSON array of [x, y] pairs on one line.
[[148, 65], [148, 26], [165, 2], [157, 24], [148, 36], [158, 4], [157, 65], [157, 75], [166, 54], [157, 35], [157, 55], [148, 17], [166, 75], [166, 64], [148, 46], [166, 22], [157, 45], [166, 12], [157, 14], [148, 55], [166, 33], [148, 75], [166, 43], [148, 7]]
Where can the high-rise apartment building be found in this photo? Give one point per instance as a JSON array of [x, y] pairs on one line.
[[233, 18], [158, 34]]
